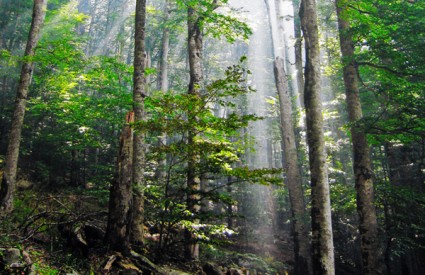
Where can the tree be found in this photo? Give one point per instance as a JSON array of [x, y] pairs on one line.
[[9, 176], [195, 82], [322, 242], [293, 174], [120, 198], [162, 81], [293, 180], [139, 95], [298, 51], [368, 224], [162, 78]]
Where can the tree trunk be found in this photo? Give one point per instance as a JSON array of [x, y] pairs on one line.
[[120, 197], [9, 177], [292, 172], [298, 51], [139, 94], [162, 85], [322, 243], [368, 227], [193, 180]]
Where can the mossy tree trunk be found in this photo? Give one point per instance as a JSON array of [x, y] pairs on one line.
[[322, 237]]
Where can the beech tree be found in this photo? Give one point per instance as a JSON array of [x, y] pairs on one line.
[[196, 188], [368, 226], [139, 94], [322, 242], [10, 171], [195, 83], [298, 50], [293, 174], [200, 14]]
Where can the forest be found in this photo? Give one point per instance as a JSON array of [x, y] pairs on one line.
[[212, 137]]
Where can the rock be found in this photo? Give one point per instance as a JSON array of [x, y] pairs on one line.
[[11, 260], [11, 255], [211, 269], [24, 184], [146, 263]]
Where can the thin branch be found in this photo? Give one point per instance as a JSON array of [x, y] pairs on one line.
[[377, 66]]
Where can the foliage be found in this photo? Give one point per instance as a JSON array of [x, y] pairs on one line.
[[218, 19], [79, 103], [218, 143], [390, 53], [404, 231]]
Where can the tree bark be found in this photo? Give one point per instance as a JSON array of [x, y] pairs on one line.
[[162, 85], [293, 174], [139, 94], [9, 177], [195, 82], [368, 226], [322, 242], [298, 51], [120, 197]]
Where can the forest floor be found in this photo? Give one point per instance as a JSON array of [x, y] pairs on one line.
[[63, 233]]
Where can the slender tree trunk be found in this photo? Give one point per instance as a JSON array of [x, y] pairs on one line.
[[9, 177], [298, 51], [139, 93], [92, 32], [163, 62], [293, 175], [162, 85], [322, 242], [120, 197], [368, 227], [293, 180], [193, 180], [3, 127]]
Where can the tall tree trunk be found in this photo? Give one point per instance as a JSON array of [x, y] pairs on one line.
[[162, 85], [300, 230], [298, 51], [292, 172], [9, 177], [120, 197], [322, 242], [193, 180], [368, 227], [139, 94], [92, 28]]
